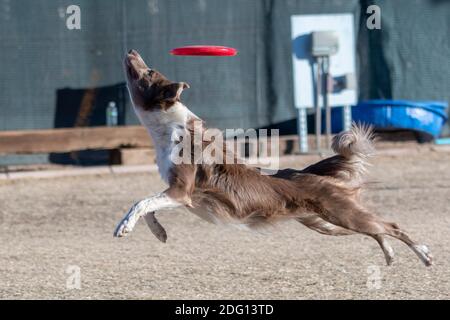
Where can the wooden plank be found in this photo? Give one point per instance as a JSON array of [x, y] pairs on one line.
[[72, 139], [137, 156]]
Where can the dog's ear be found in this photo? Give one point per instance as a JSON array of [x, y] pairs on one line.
[[172, 92]]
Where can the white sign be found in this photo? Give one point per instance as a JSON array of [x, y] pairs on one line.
[[343, 62]]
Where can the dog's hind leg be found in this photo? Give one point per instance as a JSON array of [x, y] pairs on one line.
[[386, 247], [420, 250], [360, 221], [318, 224]]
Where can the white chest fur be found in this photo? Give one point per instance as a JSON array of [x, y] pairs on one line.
[[162, 127]]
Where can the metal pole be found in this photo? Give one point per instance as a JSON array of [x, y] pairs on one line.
[[326, 70], [302, 127], [318, 109], [347, 117]]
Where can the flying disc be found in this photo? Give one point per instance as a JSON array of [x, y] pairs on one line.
[[204, 51]]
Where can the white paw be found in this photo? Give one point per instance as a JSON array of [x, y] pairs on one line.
[[424, 254], [129, 221]]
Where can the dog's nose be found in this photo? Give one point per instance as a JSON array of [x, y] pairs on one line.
[[133, 52]]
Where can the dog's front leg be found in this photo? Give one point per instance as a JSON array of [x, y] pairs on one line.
[[155, 227], [142, 208]]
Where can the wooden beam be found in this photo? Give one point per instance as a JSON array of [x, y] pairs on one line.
[[136, 156], [85, 138], [72, 139]]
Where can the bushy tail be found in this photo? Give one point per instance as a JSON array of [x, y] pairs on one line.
[[353, 148], [355, 143]]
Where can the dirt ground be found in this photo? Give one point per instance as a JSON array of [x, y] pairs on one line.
[[51, 227]]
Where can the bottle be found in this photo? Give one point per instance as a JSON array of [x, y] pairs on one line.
[[112, 114]]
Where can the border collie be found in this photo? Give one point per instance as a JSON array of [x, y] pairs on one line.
[[324, 196]]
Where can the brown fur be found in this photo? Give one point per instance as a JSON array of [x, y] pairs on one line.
[[323, 196], [162, 94], [318, 197]]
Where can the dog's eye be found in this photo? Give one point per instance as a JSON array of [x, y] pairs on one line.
[[150, 72], [143, 84]]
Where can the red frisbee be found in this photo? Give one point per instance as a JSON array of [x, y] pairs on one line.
[[204, 51]]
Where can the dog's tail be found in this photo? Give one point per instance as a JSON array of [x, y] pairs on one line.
[[353, 149], [356, 143]]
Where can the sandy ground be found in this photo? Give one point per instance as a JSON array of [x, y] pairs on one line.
[[48, 226]]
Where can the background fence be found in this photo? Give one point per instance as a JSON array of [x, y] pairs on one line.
[[407, 59]]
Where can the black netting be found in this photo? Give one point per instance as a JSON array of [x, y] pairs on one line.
[[408, 58]]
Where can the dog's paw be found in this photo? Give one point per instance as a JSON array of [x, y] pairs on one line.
[[129, 221], [424, 254]]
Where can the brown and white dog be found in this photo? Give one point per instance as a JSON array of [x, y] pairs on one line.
[[323, 197]]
